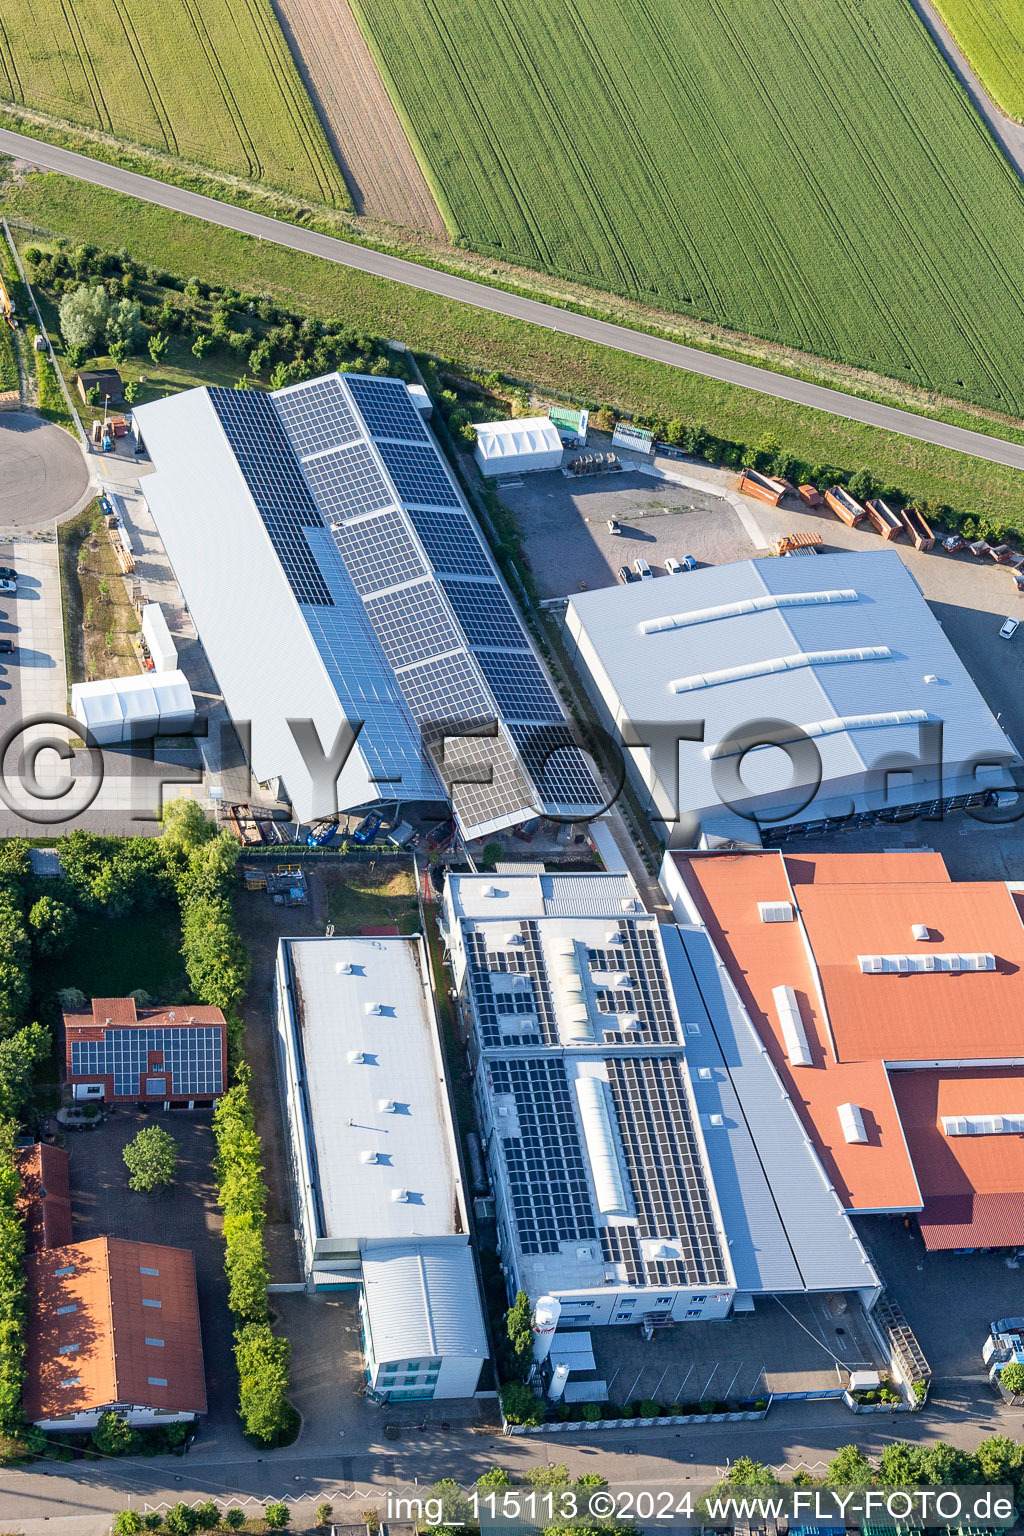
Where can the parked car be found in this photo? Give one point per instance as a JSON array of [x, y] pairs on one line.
[[613, 525], [1009, 629], [689, 563], [367, 829], [626, 575], [8, 573], [7, 585], [672, 566], [6, 645], [642, 569], [954, 543]]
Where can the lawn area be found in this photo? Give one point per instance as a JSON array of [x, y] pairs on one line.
[[99, 620], [470, 338], [377, 894], [214, 85], [991, 34], [815, 176], [9, 378], [110, 957]]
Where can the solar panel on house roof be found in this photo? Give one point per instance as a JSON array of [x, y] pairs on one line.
[[317, 416], [386, 408], [378, 552], [451, 542], [484, 612], [419, 475], [519, 686], [189, 1059]]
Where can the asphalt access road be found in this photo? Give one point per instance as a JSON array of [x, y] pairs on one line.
[[42, 472], [465, 291]]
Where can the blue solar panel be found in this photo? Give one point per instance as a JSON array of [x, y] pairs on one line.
[[446, 692], [257, 440], [451, 542], [347, 482], [519, 686], [385, 406], [412, 624], [485, 613], [559, 770], [419, 475], [316, 416], [551, 1198], [378, 552]]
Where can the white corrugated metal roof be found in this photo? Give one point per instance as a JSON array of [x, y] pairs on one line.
[[422, 1299]]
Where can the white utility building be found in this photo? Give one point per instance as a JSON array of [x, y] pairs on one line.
[[157, 636], [378, 1194], [628, 1185], [517, 447], [341, 588], [121, 709], [779, 697]]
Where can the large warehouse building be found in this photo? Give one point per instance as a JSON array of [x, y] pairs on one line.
[[837, 661], [888, 999], [335, 576], [608, 1063], [378, 1195]]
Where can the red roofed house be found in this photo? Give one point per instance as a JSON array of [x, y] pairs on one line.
[[890, 1001], [44, 1203], [112, 1324], [117, 1053]]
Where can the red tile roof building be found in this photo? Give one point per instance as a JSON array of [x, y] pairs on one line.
[[112, 1323], [44, 1203], [119, 1053], [890, 1000]]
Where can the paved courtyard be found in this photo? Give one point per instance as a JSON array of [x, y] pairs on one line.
[[43, 473], [183, 1216]]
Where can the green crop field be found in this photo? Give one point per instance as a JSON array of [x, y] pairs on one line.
[[991, 33], [206, 81], [811, 174]]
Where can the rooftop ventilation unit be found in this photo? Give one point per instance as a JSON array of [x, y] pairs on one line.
[[775, 911], [705, 1074], [343, 968], [717, 1121], [356, 1058], [746, 605], [930, 677], [613, 937], [372, 1008], [368, 1157], [400, 1196], [910, 965], [921, 932], [490, 890], [983, 1125], [792, 1025], [851, 1119], [386, 1106], [631, 904], [513, 938]]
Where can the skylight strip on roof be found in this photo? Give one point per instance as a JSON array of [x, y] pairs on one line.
[[792, 663], [766, 604]]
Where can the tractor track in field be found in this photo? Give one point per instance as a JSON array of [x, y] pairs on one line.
[[342, 79]]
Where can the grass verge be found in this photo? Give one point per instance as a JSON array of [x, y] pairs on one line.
[[99, 620]]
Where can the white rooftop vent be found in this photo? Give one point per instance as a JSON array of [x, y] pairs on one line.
[[357, 1058], [368, 1157], [983, 1125], [775, 911], [930, 677], [343, 968], [400, 1196], [792, 1025], [851, 1119], [372, 1008], [909, 965], [631, 904], [490, 890], [513, 938], [705, 1074], [716, 1120], [921, 932], [386, 1106], [613, 937]]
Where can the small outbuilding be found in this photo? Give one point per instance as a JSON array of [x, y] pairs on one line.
[[118, 709], [517, 447], [162, 649], [107, 380]]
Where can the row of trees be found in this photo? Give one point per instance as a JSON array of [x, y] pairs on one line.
[[998, 1460], [262, 1358]]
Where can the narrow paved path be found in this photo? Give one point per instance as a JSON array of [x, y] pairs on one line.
[[464, 291], [1008, 134]]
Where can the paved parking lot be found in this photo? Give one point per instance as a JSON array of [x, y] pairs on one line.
[[43, 473]]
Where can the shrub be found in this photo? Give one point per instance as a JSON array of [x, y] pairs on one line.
[[519, 1404], [154, 1520], [52, 923], [1011, 1378], [234, 1518], [277, 1516], [114, 1436], [208, 1515], [591, 1412], [127, 1522], [181, 1520], [324, 1513], [262, 1362], [649, 1409]]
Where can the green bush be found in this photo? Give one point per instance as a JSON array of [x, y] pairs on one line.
[[519, 1404], [648, 1409], [208, 1515], [127, 1522], [114, 1436], [1011, 1378], [181, 1520], [324, 1514], [277, 1516], [262, 1361], [591, 1412], [234, 1518]]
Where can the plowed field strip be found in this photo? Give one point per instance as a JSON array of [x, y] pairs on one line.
[[383, 175]]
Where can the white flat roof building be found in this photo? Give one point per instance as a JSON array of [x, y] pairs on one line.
[[838, 658], [627, 1183], [517, 447], [120, 709], [377, 1187], [338, 581]]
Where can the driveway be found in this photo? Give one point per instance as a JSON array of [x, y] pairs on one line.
[[43, 473]]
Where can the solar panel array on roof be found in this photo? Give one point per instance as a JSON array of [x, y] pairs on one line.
[[282, 497], [189, 1059], [428, 628], [385, 407], [550, 1196], [555, 764]]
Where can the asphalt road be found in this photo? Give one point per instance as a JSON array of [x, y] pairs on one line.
[[499, 302], [42, 473]]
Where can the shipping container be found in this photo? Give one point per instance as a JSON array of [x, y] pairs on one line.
[[884, 520], [764, 487], [845, 506], [917, 526]]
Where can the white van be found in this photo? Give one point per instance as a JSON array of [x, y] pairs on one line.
[[643, 570]]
